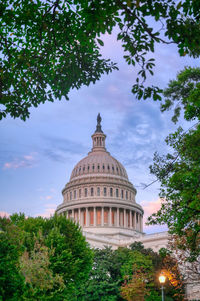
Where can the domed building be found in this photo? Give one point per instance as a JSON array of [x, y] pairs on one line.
[[100, 197]]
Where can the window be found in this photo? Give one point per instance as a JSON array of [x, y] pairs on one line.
[[85, 192], [88, 167], [108, 167], [122, 194], [70, 195], [92, 191], [104, 191], [117, 192], [79, 193], [103, 167], [98, 191], [117, 170], [98, 167], [113, 168], [74, 194], [111, 191], [79, 168], [126, 195], [93, 167], [83, 168]]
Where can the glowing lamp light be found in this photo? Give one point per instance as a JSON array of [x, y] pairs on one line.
[[162, 279]]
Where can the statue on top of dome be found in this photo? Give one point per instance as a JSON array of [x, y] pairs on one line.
[[98, 128]]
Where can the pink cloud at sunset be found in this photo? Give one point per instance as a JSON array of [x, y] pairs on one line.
[[49, 210], [150, 208], [4, 214], [25, 161]]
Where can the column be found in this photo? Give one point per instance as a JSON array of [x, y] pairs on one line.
[[117, 217], [102, 216], [134, 219], [110, 217], [95, 216], [79, 216], [87, 217], [141, 223], [131, 224], [125, 218]]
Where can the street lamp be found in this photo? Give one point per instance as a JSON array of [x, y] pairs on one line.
[[162, 279]]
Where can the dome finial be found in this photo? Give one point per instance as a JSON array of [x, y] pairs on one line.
[[98, 128]]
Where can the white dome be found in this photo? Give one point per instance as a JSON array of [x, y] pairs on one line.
[[98, 162]]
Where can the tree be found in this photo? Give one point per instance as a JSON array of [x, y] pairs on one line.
[[12, 283], [102, 284], [136, 288], [53, 260], [178, 172], [50, 47]]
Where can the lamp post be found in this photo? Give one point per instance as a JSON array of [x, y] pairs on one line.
[[162, 279]]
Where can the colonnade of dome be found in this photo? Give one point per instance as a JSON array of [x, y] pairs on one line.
[[106, 217]]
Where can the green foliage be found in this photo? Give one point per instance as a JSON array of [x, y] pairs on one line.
[[102, 284], [50, 47], [185, 93], [52, 262], [178, 172], [124, 273], [11, 281]]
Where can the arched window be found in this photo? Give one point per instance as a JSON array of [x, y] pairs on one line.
[[85, 192], [117, 192], [126, 195], [122, 194], [92, 191], [70, 195], [98, 191], [74, 194], [111, 191], [79, 193], [104, 191]]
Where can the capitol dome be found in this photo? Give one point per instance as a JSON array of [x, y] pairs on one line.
[[99, 195]]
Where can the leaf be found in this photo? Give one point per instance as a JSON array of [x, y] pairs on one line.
[[100, 42]]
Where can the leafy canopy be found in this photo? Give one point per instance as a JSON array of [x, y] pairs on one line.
[[42, 259], [49, 47], [178, 172]]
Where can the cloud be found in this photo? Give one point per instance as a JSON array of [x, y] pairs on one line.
[[47, 197], [150, 208], [24, 161], [48, 211], [4, 214], [60, 149]]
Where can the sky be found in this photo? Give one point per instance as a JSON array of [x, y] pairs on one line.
[[37, 156]]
